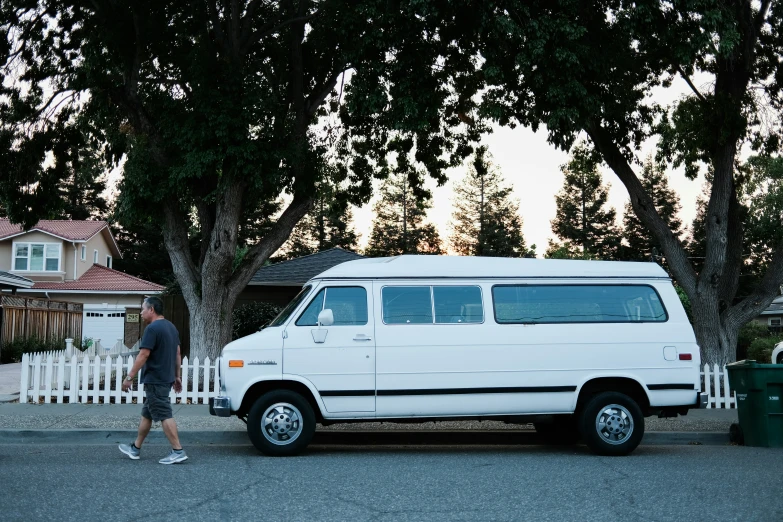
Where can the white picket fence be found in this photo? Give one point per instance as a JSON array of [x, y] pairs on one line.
[[715, 383], [55, 377], [98, 348]]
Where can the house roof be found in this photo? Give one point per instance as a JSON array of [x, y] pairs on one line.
[[8, 279], [69, 230], [775, 308], [99, 278], [414, 266], [297, 272]]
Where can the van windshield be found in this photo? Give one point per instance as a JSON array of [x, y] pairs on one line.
[[288, 310]]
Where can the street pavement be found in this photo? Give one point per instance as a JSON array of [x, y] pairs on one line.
[[392, 483]]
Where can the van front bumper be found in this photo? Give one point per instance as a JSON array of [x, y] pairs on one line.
[[220, 406]]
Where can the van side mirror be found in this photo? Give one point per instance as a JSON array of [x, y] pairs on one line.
[[326, 318]]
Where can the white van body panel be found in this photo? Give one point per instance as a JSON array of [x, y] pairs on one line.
[[474, 369]]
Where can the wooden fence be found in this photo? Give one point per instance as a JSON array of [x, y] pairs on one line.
[[715, 383], [55, 377], [25, 317]]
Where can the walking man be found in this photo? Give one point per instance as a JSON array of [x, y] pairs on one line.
[[159, 355]]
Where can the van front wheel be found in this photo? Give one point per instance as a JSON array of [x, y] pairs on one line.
[[281, 423], [612, 424]]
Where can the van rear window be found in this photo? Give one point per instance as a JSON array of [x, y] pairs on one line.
[[539, 304]]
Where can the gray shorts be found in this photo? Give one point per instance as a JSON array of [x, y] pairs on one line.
[[157, 405]]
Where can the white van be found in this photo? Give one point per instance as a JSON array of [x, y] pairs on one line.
[[577, 347]]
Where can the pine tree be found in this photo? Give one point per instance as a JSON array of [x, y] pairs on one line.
[[641, 243], [582, 217], [80, 191], [486, 219], [399, 226], [329, 224]]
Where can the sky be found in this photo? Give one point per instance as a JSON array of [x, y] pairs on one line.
[[531, 166]]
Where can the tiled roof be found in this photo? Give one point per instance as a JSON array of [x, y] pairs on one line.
[[71, 230], [775, 308], [15, 280], [101, 278], [297, 272]]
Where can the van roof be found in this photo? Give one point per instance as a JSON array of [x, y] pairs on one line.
[[424, 266]]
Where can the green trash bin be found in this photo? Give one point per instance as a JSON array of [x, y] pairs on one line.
[[759, 389]]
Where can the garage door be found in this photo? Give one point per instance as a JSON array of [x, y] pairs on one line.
[[105, 324]]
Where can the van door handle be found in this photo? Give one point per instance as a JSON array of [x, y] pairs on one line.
[[361, 337]]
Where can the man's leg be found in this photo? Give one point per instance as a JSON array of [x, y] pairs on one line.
[[170, 429], [144, 429]]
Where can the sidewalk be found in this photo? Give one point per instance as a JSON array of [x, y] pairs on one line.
[[85, 423], [10, 377]]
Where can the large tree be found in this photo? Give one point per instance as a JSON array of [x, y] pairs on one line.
[[583, 218], [213, 105], [595, 66], [641, 244], [486, 220], [400, 226]]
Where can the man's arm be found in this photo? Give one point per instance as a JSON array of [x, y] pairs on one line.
[[140, 361], [178, 372]]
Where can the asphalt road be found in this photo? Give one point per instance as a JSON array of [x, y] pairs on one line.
[[96, 482]]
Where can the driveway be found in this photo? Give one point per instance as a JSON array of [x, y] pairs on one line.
[[10, 377]]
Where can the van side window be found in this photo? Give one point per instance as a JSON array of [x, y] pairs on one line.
[[457, 304], [347, 303], [407, 305], [536, 304]]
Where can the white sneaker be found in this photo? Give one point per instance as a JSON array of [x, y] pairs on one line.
[[174, 457]]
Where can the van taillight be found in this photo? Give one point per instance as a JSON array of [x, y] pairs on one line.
[[686, 357]]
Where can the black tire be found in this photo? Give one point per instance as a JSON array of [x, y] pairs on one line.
[[562, 430], [285, 416], [622, 429]]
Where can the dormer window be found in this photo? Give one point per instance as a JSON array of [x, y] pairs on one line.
[[108, 261], [37, 257]]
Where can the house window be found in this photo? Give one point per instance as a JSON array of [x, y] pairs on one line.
[[774, 321], [84, 252], [37, 257], [108, 261], [95, 256]]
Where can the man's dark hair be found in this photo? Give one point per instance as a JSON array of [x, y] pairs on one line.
[[156, 303]]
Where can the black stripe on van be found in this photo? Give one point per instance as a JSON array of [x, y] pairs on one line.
[[447, 391], [653, 387]]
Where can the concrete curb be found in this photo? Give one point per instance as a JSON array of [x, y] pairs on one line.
[[342, 437]]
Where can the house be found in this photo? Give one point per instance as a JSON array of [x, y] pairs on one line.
[[72, 261], [772, 317]]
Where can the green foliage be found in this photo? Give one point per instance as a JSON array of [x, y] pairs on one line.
[[399, 225], [747, 334], [486, 220], [249, 318], [686, 302], [11, 352], [582, 218], [641, 243], [760, 349], [566, 250]]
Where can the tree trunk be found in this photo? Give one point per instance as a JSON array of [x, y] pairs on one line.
[[715, 334]]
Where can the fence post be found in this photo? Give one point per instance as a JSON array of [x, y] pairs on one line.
[[707, 384], [716, 377], [60, 378], [96, 379], [205, 392], [185, 379], [69, 347], [727, 390], [106, 380], [117, 365], [24, 387], [196, 371], [84, 395], [73, 383], [48, 378]]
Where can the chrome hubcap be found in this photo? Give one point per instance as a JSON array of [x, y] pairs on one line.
[[614, 424], [281, 423]]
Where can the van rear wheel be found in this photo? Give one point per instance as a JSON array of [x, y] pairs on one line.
[[281, 423], [612, 424]]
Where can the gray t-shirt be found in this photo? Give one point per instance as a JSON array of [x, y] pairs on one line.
[[161, 339]]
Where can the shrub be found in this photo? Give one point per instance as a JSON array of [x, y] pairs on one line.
[[761, 349], [747, 334], [249, 318], [12, 352]]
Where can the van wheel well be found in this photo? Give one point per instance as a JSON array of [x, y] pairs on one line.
[[627, 386], [262, 387]]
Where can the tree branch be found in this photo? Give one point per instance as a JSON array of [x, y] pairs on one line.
[[220, 36], [175, 236], [320, 93], [270, 243], [690, 84], [644, 208], [767, 289], [271, 28]]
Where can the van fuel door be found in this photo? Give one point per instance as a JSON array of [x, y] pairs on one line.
[[670, 353]]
